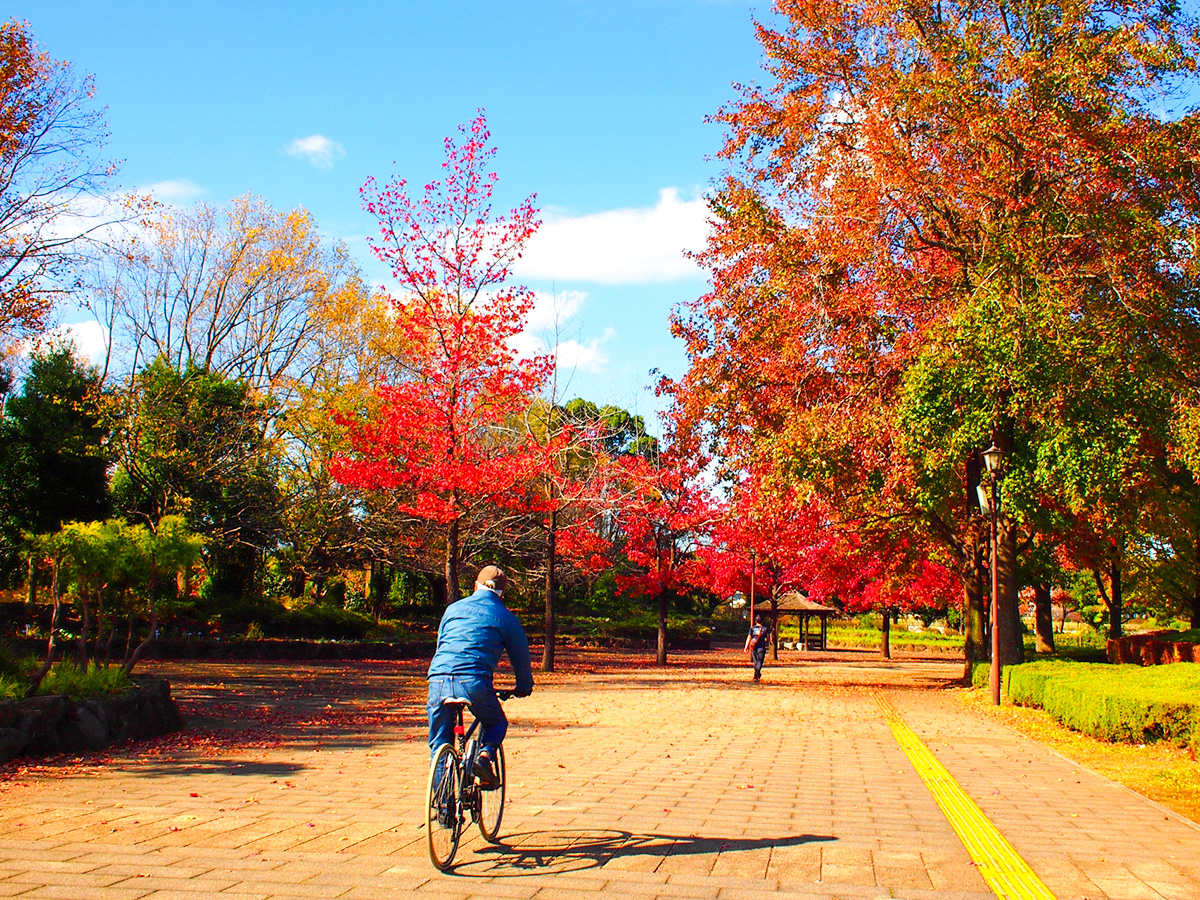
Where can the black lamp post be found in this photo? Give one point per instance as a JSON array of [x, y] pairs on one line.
[[993, 459]]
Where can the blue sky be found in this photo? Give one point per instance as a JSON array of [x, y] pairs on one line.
[[597, 106]]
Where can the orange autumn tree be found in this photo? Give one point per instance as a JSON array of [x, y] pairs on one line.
[[948, 224], [48, 134], [447, 438]]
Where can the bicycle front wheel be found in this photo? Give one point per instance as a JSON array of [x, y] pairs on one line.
[[491, 803], [443, 818]]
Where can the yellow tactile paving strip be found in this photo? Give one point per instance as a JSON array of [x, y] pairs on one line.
[[1001, 866]]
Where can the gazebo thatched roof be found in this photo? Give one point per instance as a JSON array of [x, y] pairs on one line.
[[795, 603]]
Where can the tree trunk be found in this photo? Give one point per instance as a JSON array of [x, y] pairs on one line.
[[887, 634], [662, 629], [144, 645], [548, 645], [1012, 648], [1114, 597], [85, 625], [437, 590], [368, 594], [774, 626], [31, 591], [452, 593], [975, 643], [1196, 581], [35, 680], [98, 647], [1043, 617]]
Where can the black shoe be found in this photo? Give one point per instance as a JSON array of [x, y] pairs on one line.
[[485, 771]]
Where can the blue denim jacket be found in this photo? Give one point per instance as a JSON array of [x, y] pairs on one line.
[[474, 632]]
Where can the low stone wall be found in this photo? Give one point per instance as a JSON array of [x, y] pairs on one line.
[[270, 649], [587, 642], [289, 649], [413, 648], [1151, 649], [42, 726]]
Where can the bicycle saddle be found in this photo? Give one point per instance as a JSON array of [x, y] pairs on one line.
[[456, 701]]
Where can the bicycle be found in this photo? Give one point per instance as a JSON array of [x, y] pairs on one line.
[[453, 793]]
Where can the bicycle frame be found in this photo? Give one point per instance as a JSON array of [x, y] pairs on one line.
[[463, 734]]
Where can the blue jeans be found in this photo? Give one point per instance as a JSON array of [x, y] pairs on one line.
[[759, 655], [485, 706]]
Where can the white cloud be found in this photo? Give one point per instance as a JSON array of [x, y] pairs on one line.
[[175, 191], [550, 318], [317, 149], [620, 246], [552, 311], [90, 340], [590, 357]]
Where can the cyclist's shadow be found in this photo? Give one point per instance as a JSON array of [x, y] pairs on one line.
[[579, 850]]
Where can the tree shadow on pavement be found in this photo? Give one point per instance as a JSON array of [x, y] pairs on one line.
[[223, 766], [575, 850]]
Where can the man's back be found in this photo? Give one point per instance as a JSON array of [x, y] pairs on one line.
[[474, 633]]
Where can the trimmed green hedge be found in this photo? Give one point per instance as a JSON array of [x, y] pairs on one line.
[[1113, 703]]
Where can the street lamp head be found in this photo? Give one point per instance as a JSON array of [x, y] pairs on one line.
[[985, 499], [993, 459]]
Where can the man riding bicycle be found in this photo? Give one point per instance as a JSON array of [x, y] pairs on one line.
[[473, 634]]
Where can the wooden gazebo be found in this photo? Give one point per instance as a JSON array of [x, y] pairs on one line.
[[794, 603]]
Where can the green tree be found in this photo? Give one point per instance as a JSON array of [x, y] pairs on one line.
[[53, 452], [196, 443], [114, 561], [164, 552]]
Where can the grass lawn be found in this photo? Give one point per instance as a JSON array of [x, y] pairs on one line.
[[873, 638], [1166, 774]]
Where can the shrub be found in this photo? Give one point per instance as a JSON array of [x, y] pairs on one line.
[[10, 667], [1187, 637], [318, 622], [980, 674], [94, 681], [14, 682], [12, 688], [235, 616], [1113, 703]]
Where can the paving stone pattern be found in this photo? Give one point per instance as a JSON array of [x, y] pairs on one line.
[[308, 781]]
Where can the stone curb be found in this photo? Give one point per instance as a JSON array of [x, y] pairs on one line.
[[43, 726]]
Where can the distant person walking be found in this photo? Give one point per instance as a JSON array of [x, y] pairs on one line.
[[756, 643]]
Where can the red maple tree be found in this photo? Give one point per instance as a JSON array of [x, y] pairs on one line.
[[448, 438], [663, 520], [765, 531]]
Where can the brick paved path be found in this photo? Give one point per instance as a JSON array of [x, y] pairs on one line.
[[688, 782]]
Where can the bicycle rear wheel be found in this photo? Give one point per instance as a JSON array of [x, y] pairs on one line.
[[491, 803], [443, 818]]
